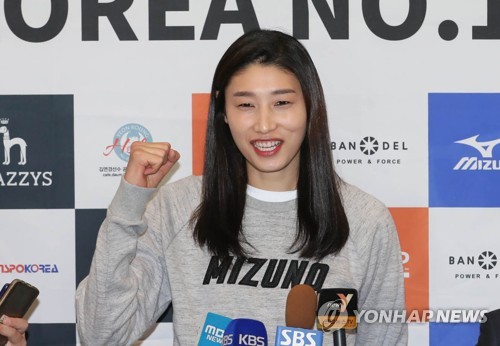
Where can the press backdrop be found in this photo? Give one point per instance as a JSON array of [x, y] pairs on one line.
[[413, 95]]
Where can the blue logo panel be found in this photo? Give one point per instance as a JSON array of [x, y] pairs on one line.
[[456, 334], [37, 169], [464, 150]]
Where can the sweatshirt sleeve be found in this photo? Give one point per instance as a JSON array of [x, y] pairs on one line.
[[383, 284], [127, 288]]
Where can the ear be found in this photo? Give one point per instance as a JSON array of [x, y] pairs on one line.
[[225, 118]]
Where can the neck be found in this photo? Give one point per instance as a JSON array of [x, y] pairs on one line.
[[275, 181]]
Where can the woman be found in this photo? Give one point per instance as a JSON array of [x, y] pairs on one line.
[[268, 213], [13, 329]]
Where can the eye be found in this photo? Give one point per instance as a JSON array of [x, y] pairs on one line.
[[282, 103], [245, 105]]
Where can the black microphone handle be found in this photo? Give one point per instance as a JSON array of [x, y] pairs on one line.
[[339, 337]]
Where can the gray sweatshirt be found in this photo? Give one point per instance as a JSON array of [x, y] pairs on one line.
[[146, 258]]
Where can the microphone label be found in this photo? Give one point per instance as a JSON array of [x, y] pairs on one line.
[[213, 330], [286, 336], [337, 309], [244, 339]]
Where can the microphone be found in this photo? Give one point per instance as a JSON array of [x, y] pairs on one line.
[[245, 332], [213, 330], [300, 314], [336, 312]]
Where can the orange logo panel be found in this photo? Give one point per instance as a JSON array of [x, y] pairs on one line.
[[200, 104], [413, 230]]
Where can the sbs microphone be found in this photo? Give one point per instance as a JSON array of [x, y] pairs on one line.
[[300, 315], [245, 332], [213, 330], [337, 312]]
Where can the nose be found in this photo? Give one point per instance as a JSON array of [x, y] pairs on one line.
[[265, 121]]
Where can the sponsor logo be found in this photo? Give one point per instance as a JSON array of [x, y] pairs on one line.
[[487, 260], [120, 147], [37, 169], [336, 20], [9, 143], [483, 163], [477, 267], [123, 139], [368, 145], [412, 225], [28, 268], [281, 273], [464, 150], [373, 150], [200, 104], [13, 146], [406, 259], [26, 179]]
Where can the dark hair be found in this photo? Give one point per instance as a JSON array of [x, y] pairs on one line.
[[322, 226]]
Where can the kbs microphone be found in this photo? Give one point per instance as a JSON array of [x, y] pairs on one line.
[[300, 314], [245, 332], [213, 330], [336, 312]]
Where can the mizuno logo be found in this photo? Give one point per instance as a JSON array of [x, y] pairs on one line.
[[484, 148], [266, 273]]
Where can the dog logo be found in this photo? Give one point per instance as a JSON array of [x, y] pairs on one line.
[[8, 143]]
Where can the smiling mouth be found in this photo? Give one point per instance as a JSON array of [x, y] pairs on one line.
[[266, 146]]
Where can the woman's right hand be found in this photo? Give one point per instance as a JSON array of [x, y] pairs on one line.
[[14, 329], [149, 163]]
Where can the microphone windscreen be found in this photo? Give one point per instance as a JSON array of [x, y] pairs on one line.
[[301, 306], [245, 331]]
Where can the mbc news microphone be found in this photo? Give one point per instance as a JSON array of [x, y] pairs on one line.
[[213, 329], [300, 315]]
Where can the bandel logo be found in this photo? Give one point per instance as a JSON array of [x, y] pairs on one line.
[[369, 146], [486, 261], [10, 143], [485, 149]]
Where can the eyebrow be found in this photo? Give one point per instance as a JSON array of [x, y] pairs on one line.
[[274, 92]]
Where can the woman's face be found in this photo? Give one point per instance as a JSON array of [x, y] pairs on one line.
[[266, 113]]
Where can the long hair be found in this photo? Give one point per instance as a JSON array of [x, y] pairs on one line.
[[322, 226]]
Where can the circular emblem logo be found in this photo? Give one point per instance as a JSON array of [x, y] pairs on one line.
[[332, 316], [128, 134], [487, 260], [368, 145]]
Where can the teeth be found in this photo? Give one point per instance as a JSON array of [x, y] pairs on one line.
[[266, 145]]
